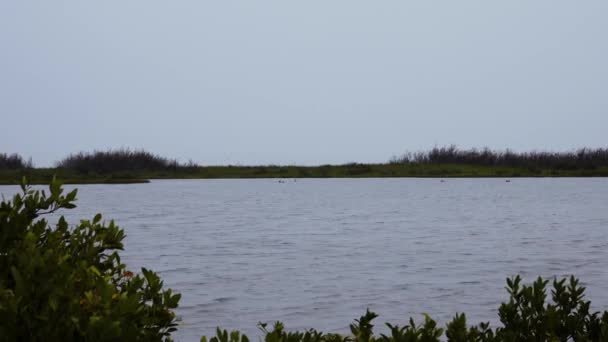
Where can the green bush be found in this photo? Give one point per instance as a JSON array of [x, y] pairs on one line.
[[68, 283], [525, 317]]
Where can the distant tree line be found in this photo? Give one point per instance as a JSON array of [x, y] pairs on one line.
[[127, 160], [584, 158], [119, 160], [14, 162]]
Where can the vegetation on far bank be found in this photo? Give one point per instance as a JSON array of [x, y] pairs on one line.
[[127, 166], [14, 162], [62, 282], [121, 160], [584, 158]]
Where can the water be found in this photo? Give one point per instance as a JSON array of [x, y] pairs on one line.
[[317, 253]]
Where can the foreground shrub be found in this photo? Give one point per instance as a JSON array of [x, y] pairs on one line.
[[68, 283], [525, 317]]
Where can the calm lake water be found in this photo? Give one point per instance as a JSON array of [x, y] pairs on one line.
[[317, 253]]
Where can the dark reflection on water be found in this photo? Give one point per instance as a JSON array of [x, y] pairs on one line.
[[317, 253]]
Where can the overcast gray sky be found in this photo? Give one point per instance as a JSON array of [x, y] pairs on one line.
[[301, 82]]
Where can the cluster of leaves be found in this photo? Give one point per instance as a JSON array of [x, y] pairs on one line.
[[14, 162], [119, 160], [584, 158], [525, 317], [68, 283]]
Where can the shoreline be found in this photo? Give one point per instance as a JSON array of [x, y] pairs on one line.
[[69, 176]]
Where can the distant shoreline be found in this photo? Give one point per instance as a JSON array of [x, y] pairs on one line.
[[125, 166], [68, 176]]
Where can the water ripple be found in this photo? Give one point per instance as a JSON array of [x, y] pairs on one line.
[[317, 253]]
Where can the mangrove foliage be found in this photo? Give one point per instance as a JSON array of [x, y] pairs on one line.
[[62, 282]]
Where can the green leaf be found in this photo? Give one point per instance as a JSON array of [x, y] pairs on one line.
[[71, 196], [95, 270], [24, 184]]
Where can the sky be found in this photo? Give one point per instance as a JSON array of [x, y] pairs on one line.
[[300, 82]]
